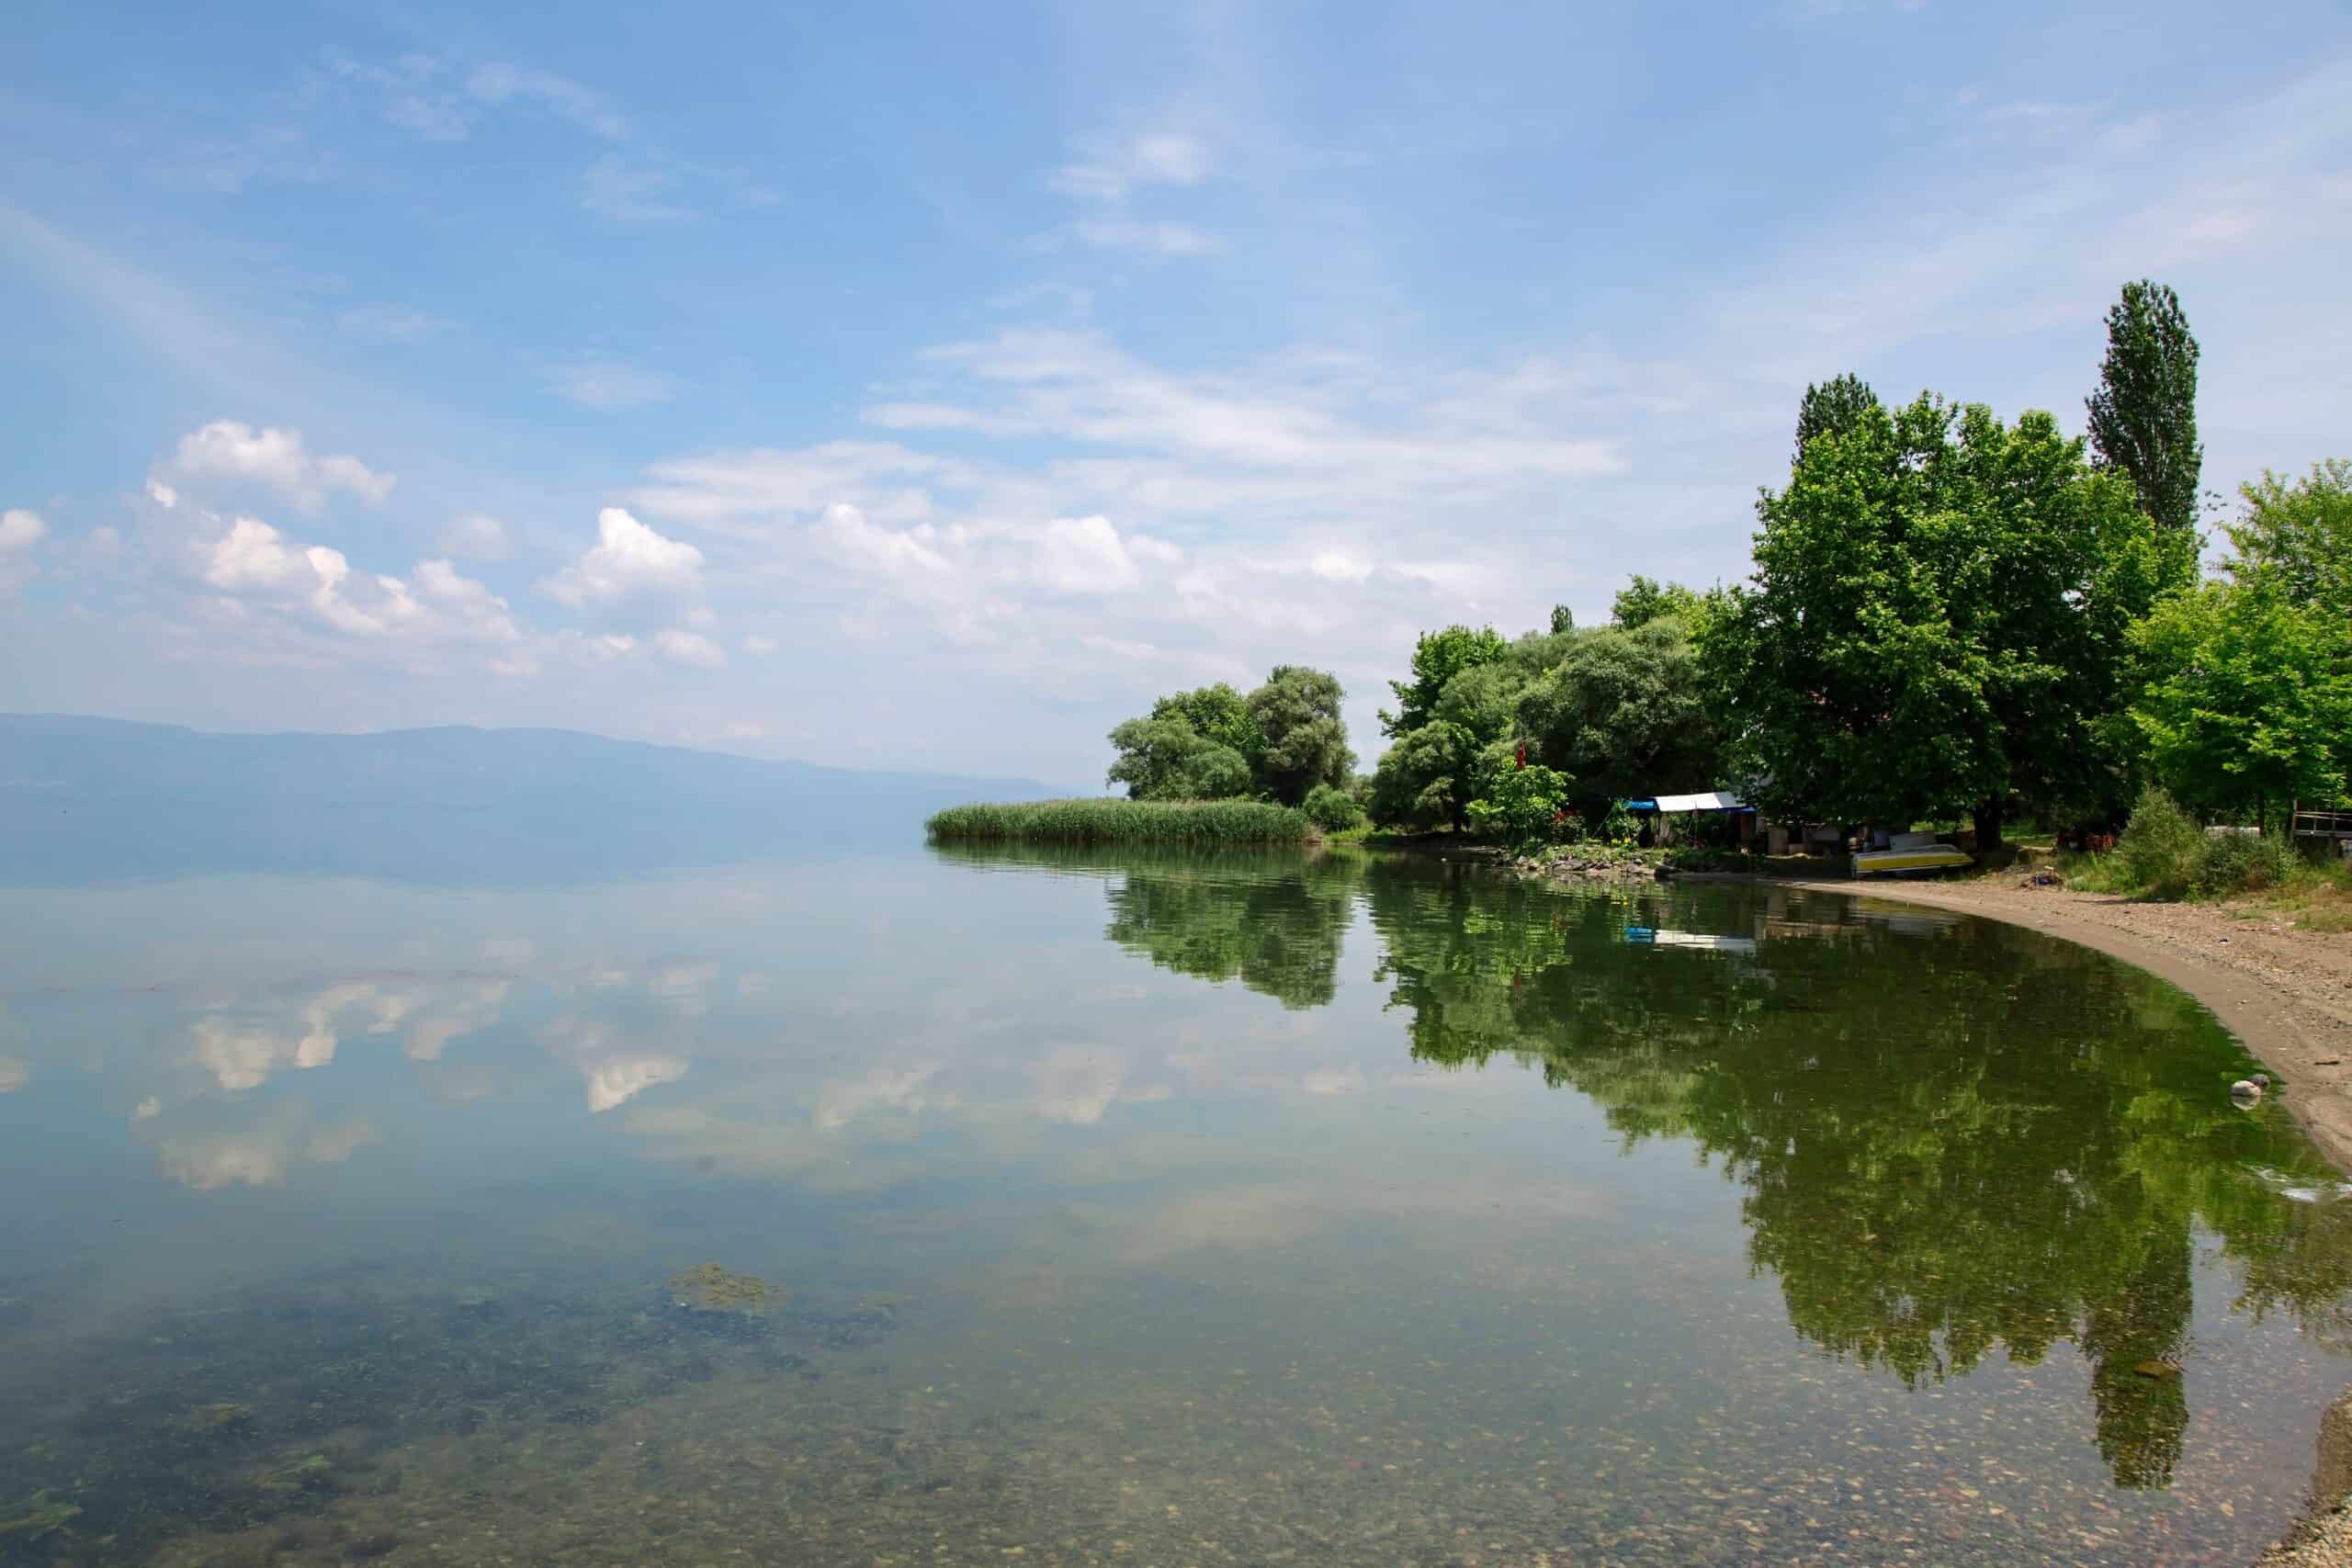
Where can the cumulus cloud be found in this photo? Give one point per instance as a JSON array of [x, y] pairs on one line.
[[274, 457], [844, 536], [255, 564], [19, 531], [614, 1073], [1085, 555], [627, 558]]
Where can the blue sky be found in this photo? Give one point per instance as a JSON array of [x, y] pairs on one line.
[[931, 386]]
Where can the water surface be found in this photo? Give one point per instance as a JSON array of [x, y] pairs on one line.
[[1155, 1209]]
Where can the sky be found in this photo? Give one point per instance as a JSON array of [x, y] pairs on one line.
[[931, 386]]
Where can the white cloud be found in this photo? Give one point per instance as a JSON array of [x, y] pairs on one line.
[[474, 536], [1085, 555], [758, 646], [692, 648], [274, 457], [19, 531], [1333, 567], [163, 494], [627, 558], [254, 563], [610, 387], [844, 536], [1156, 238], [1108, 169], [15, 1074]]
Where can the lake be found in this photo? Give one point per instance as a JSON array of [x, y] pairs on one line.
[[928, 1206]]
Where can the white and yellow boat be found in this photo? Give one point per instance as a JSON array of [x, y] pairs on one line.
[[1910, 851]]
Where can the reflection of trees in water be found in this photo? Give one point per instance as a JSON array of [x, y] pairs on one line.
[[1273, 920], [1950, 1141], [1279, 934]]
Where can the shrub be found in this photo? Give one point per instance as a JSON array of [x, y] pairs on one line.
[[1110, 821], [2243, 862], [1331, 808], [2162, 849], [1522, 807]]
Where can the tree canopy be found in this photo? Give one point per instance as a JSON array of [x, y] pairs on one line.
[[1938, 618], [1213, 743]]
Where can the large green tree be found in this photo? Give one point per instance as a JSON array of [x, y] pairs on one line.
[[2247, 697], [2143, 415], [1939, 621], [1306, 740], [1626, 712]]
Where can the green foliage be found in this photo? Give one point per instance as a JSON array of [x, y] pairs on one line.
[[1563, 619], [1114, 821], [1298, 712], [1939, 621], [1834, 407], [2161, 848], [2144, 416], [1626, 712], [2246, 700], [1438, 658], [1331, 808], [1215, 713], [1166, 759], [1641, 601], [1521, 805], [1213, 744], [1425, 779], [2299, 535], [2243, 863]]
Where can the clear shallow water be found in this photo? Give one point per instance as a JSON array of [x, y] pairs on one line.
[[1149, 1210]]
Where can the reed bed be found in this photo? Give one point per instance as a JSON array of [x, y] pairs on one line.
[[1110, 821]]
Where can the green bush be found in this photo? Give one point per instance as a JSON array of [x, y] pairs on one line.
[[2243, 862], [1331, 808], [2161, 848], [1523, 806], [1111, 820]]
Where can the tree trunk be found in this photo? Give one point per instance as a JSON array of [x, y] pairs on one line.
[[1988, 826]]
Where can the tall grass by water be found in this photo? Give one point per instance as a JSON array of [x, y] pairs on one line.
[[1110, 821]]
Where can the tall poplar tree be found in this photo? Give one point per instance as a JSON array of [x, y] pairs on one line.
[[2144, 416]]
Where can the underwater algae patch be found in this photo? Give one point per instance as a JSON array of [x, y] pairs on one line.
[[40, 1515], [707, 1287]]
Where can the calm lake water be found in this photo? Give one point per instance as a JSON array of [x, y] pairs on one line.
[[1148, 1209]]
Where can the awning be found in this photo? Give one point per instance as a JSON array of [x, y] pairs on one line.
[[1716, 801]]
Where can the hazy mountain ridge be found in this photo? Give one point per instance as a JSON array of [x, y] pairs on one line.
[[91, 798]]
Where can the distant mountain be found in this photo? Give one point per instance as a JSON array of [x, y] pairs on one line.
[[95, 799]]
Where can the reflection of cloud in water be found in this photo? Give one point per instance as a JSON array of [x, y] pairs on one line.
[[15, 1074], [841, 1102], [1349, 1079], [618, 1081], [1077, 1083], [260, 1158], [615, 1073], [243, 1054]]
